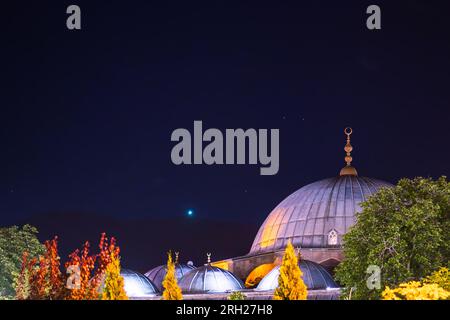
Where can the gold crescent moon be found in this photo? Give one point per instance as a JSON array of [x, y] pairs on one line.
[[348, 131]]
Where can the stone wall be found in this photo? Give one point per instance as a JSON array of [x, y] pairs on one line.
[[255, 295]]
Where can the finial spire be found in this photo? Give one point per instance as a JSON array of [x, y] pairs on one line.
[[348, 147], [176, 257], [348, 169], [208, 255]]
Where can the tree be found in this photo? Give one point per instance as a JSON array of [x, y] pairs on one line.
[[22, 284], [415, 290], [433, 287], [45, 278], [55, 278], [440, 277], [40, 278], [108, 251], [80, 268], [91, 268], [171, 289], [114, 283], [290, 282], [14, 241], [403, 230]]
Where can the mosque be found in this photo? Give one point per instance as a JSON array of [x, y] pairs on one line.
[[314, 218]]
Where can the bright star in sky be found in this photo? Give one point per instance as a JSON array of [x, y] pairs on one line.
[[190, 212]]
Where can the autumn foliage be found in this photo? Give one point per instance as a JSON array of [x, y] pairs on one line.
[[55, 279], [114, 283], [290, 282], [80, 269], [440, 277], [92, 268], [415, 290], [23, 280], [171, 289], [41, 278], [434, 287]]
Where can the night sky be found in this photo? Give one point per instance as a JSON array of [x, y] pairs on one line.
[[86, 116]]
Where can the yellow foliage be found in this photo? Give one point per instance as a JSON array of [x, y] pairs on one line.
[[415, 290], [290, 282], [441, 278], [114, 283], [171, 289], [434, 287]]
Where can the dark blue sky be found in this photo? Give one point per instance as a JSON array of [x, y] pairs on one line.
[[86, 116]]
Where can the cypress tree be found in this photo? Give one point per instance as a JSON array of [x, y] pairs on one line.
[[171, 289], [114, 283], [290, 282]]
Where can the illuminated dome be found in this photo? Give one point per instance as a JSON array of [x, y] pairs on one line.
[[156, 275], [317, 215], [314, 276], [137, 285], [320, 213], [209, 279]]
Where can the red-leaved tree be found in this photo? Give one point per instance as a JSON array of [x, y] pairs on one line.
[[91, 268], [45, 278], [80, 269], [41, 278]]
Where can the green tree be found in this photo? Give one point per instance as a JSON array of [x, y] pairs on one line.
[[403, 230], [14, 241], [290, 281], [171, 289]]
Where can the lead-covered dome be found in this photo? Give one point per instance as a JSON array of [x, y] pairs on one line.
[[209, 279], [317, 215], [137, 285], [156, 275], [315, 277]]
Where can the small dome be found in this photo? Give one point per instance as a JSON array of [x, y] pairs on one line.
[[137, 285], [156, 275], [209, 279], [314, 276]]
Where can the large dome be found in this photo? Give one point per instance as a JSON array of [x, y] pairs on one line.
[[317, 215], [314, 276]]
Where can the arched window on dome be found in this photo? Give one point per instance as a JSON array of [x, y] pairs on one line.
[[332, 238]]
